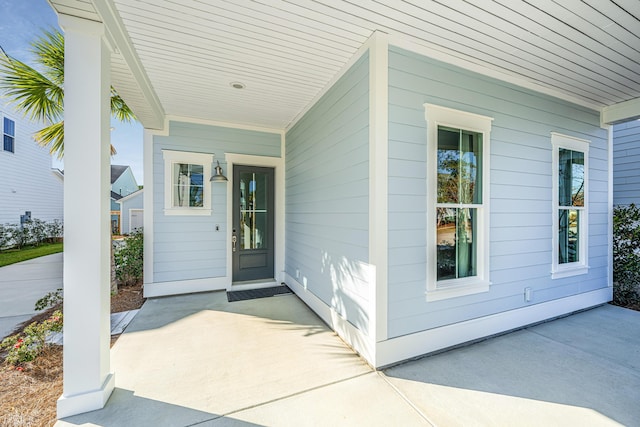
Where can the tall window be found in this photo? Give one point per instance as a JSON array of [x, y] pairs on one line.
[[9, 135], [187, 185], [570, 170], [458, 204]]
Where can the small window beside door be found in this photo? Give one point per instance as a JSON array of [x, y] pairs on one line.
[[187, 185]]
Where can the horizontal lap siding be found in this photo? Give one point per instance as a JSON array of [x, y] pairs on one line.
[[520, 189], [188, 247], [626, 158], [28, 183], [327, 196]]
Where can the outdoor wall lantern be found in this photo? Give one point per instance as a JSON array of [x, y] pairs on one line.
[[217, 174]]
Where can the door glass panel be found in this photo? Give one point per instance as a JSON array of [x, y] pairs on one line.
[[253, 210]]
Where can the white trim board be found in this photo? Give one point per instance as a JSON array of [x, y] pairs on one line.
[[177, 287], [422, 343]]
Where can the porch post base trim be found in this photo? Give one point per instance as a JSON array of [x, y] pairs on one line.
[[86, 402]]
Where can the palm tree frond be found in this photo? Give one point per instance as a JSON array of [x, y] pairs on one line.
[[119, 109], [53, 137], [49, 52], [36, 95]]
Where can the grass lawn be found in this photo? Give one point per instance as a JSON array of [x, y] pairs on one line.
[[11, 256]]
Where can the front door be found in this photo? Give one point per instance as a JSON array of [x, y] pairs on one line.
[[253, 218]]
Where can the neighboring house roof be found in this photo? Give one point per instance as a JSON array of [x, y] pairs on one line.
[[116, 171], [115, 196], [130, 196]]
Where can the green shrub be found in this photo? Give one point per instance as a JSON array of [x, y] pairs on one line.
[[51, 299], [25, 347], [626, 255], [128, 257]]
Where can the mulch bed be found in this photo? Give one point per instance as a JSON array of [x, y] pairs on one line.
[[28, 397]]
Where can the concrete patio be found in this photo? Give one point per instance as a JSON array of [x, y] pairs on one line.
[[199, 360]]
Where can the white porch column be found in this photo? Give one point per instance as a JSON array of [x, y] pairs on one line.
[[88, 381]]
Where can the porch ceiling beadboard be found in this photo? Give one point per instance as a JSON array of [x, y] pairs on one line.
[[285, 52]]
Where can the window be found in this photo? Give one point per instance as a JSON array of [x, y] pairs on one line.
[[187, 186], [9, 136], [570, 213], [458, 202]]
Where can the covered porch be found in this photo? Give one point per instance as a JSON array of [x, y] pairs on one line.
[[200, 360], [259, 69]]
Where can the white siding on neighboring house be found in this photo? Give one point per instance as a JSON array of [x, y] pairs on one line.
[[189, 247], [520, 192], [28, 181], [626, 163], [327, 197]]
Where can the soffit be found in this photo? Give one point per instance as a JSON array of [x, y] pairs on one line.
[[286, 52]]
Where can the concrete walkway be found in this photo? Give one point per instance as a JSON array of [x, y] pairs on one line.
[[199, 360], [24, 283]]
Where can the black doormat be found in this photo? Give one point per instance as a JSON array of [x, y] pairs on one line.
[[257, 293]]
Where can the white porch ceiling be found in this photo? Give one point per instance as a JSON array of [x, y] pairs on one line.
[[178, 57]]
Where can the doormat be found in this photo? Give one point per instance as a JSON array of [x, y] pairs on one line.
[[257, 293]]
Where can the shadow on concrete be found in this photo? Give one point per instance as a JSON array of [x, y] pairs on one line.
[[584, 366], [124, 408]]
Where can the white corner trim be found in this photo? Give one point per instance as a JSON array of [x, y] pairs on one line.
[[355, 338], [610, 204], [277, 163], [86, 402], [177, 287], [147, 205], [431, 51], [378, 181], [420, 343]]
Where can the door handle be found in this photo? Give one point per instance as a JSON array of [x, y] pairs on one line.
[[233, 242]]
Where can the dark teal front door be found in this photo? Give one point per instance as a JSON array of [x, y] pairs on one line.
[[253, 222]]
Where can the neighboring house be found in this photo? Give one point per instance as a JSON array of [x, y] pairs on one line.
[[29, 183], [123, 183], [131, 212], [626, 163], [420, 177]]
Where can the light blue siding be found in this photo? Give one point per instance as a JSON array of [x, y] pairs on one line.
[[327, 196], [520, 189], [188, 247], [626, 158]]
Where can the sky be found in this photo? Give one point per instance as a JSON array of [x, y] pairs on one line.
[[22, 21]]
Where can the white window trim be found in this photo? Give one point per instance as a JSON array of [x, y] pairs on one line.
[[4, 133], [558, 270], [435, 116], [172, 157]]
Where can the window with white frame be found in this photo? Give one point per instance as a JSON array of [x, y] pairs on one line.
[[458, 202], [187, 185], [9, 135], [570, 205]]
